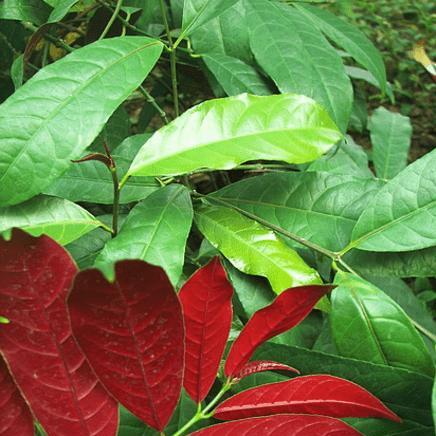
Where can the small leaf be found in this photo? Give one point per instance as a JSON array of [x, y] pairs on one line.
[[313, 395], [289, 425], [38, 346], [260, 366], [254, 249], [287, 310], [206, 300], [233, 130], [17, 71], [60, 10], [60, 219], [131, 332], [391, 134], [15, 415]]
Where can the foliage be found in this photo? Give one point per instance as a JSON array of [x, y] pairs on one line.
[[190, 234]]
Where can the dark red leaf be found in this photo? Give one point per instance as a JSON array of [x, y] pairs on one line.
[[15, 416], [312, 394], [131, 331], [47, 365], [261, 366], [207, 309], [281, 425], [286, 311]]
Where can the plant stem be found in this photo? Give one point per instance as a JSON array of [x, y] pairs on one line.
[[116, 205], [153, 102], [112, 19], [173, 59]]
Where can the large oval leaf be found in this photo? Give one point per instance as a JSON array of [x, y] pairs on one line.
[[156, 231], [254, 249], [368, 325], [131, 331], [60, 219], [313, 395], [46, 363], [206, 300], [402, 216], [320, 207], [61, 109], [287, 310], [289, 425], [15, 415], [223, 133], [295, 54]]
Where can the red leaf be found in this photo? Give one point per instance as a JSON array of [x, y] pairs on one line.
[[281, 425], [261, 366], [313, 395], [47, 365], [286, 311], [131, 331], [207, 309], [15, 415]]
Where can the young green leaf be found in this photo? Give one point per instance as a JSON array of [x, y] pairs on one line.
[[155, 230], [60, 219], [295, 54], [391, 134], [370, 326], [232, 130], [60, 10], [402, 216], [254, 249], [55, 115]]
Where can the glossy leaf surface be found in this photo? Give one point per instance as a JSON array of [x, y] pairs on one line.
[[260, 366], [368, 325], [206, 300], [131, 331], [291, 425], [402, 216], [15, 415], [312, 395], [253, 248], [60, 219], [38, 123], [298, 58], [391, 134], [233, 130], [155, 230], [320, 207], [47, 364], [350, 38], [287, 310]]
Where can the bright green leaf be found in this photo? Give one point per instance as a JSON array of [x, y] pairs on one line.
[[402, 216], [58, 218], [54, 116], [254, 249], [223, 133], [17, 71], [35, 11], [295, 54], [155, 231], [368, 325], [391, 134], [60, 10]]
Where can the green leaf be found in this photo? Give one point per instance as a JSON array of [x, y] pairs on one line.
[[382, 427], [60, 10], [320, 207], [54, 116], [198, 12], [35, 11], [433, 402], [232, 130], [295, 54], [350, 38], [406, 392], [234, 75], [254, 249], [402, 216], [91, 181], [391, 135], [347, 158], [155, 231], [17, 71], [60, 219], [368, 325]]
